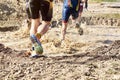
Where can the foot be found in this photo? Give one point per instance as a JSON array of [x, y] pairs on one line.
[[77, 25], [37, 47], [80, 30]]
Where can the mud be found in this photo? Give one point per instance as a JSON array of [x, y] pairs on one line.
[[95, 55], [76, 66]]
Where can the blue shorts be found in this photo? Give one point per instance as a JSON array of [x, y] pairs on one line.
[[67, 10]]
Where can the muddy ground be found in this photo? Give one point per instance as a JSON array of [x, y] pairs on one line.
[[95, 55]]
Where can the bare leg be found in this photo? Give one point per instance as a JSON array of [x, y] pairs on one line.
[[63, 30], [74, 21], [43, 28], [78, 24], [34, 25], [79, 18]]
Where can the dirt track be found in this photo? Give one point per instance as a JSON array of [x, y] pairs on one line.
[[99, 64], [92, 56]]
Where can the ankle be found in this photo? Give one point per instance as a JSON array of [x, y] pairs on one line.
[[38, 35]]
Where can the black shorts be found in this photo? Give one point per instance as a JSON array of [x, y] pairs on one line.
[[36, 7]]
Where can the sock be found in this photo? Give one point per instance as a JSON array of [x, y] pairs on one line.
[[38, 35]]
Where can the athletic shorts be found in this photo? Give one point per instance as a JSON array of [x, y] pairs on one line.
[[67, 12], [36, 7]]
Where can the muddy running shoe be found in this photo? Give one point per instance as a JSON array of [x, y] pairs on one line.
[[80, 30], [37, 47]]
